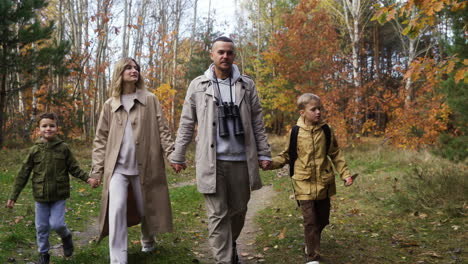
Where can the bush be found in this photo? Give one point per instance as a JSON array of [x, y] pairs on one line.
[[453, 148], [431, 185]]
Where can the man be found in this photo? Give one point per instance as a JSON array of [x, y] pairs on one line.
[[231, 145]]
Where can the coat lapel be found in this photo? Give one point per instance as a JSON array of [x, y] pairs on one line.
[[240, 91]]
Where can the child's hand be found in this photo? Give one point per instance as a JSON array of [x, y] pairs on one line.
[[349, 181], [93, 182], [10, 204]]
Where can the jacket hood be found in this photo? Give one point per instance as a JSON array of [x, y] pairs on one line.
[[301, 123], [209, 73], [50, 144]]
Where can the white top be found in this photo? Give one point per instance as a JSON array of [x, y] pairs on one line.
[[126, 162]]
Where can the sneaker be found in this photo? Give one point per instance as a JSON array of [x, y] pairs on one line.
[[44, 258], [313, 262], [148, 248], [67, 244]]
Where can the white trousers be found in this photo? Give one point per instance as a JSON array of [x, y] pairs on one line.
[[118, 234]]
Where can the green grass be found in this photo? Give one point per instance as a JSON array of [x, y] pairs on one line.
[[405, 207], [381, 218]]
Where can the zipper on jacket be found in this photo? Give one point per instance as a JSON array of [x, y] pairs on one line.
[[315, 165]]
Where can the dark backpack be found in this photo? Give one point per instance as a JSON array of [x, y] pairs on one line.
[[293, 145]]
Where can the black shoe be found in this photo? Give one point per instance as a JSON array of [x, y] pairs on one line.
[[67, 243], [44, 258], [235, 257]]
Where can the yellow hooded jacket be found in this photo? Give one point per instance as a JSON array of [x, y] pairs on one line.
[[314, 178]]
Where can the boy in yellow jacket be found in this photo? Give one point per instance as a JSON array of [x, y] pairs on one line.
[[312, 172]]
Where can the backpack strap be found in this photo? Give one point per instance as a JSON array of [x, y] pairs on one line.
[[293, 149], [293, 145], [327, 132]]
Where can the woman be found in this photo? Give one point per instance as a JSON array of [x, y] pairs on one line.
[[131, 138]]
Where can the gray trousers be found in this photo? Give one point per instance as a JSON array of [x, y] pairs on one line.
[[226, 209], [118, 234]]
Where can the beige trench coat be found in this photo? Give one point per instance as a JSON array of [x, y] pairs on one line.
[[200, 109], [153, 140]]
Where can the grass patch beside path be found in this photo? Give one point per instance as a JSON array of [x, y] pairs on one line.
[[403, 208], [17, 231]]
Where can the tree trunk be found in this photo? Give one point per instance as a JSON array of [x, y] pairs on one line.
[[3, 85]]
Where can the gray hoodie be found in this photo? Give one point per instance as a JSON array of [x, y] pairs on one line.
[[231, 147]]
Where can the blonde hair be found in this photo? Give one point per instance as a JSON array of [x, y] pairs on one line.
[[117, 80], [306, 98]]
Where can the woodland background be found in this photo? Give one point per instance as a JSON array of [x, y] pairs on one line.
[[393, 69]]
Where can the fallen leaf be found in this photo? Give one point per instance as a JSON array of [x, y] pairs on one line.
[[423, 216], [244, 254], [18, 219], [431, 254], [282, 235]]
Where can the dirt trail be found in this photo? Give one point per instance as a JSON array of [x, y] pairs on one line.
[[80, 239], [259, 200]]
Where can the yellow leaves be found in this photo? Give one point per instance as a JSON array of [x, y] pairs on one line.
[[450, 66], [368, 126], [461, 75]]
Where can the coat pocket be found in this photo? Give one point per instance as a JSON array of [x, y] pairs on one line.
[[38, 164], [60, 164], [38, 186], [327, 176], [63, 186], [302, 187], [298, 176]]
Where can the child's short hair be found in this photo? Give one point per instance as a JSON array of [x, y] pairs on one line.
[[305, 99], [48, 115]]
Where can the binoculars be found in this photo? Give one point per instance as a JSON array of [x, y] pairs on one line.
[[229, 111]]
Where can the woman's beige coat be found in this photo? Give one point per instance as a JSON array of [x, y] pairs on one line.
[[153, 140]]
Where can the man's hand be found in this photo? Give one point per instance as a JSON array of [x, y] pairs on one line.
[[10, 204], [264, 164], [177, 167], [93, 182]]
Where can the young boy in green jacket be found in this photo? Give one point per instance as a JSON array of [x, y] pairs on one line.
[[50, 160], [312, 173]]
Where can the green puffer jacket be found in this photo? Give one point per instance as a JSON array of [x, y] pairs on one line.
[[50, 163]]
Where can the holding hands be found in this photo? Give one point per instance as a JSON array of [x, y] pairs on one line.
[[94, 183], [264, 164], [177, 167]]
